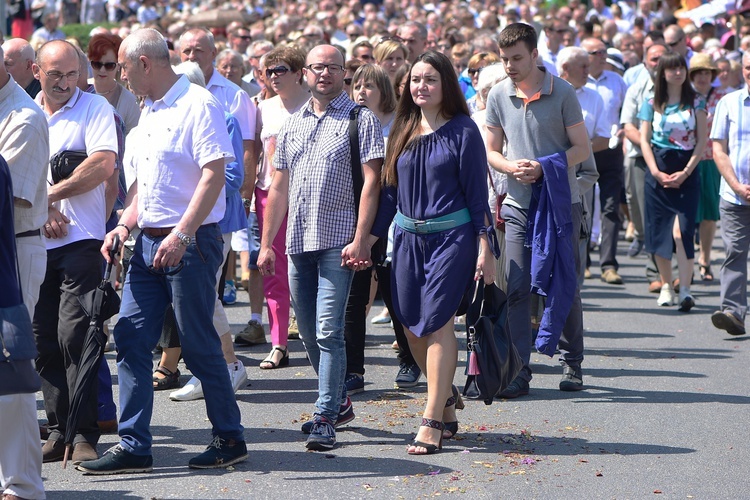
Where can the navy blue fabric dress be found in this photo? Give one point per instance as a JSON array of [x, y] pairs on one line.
[[438, 174]]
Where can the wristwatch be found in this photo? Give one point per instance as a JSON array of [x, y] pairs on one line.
[[246, 202], [184, 238]]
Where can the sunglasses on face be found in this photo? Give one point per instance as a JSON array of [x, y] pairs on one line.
[[473, 72], [600, 52], [246, 38], [278, 71], [347, 81], [675, 43], [109, 66]]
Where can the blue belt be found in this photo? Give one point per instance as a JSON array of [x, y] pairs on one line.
[[434, 225]]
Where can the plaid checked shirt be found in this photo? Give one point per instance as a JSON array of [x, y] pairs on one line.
[[316, 151]]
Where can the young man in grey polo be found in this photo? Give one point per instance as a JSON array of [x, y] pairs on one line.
[[534, 114]]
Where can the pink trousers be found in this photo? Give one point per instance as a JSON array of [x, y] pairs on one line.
[[276, 287]]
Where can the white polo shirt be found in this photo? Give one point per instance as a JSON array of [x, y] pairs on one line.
[[235, 101], [85, 123], [176, 137], [592, 107]]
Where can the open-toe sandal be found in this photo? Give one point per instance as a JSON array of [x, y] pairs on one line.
[[171, 379], [268, 363], [430, 448], [706, 273], [455, 399]]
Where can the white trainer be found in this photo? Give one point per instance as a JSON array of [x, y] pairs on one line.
[[189, 392], [666, 296], [238, 375]]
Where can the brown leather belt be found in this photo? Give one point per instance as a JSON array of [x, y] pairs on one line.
[[26, 234], [157, 232]]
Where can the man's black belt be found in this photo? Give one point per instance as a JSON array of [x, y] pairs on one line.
[[26, 234]]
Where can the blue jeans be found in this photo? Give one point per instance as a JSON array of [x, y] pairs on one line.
[[320, 285], [145, 298]]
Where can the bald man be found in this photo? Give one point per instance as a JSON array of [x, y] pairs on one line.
[[75, 227], [19, 57], [313, 181]]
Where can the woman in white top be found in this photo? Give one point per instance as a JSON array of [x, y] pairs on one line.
[[283, 68]]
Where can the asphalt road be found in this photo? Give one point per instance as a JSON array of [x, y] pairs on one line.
[[664, 414]]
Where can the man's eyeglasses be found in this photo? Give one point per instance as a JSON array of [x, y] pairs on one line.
[[56, 76], [347, 81], [333, 69], [246, 38], [600, 52], [278, 71], [109, 66]]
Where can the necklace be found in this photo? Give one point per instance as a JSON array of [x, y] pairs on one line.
[[107, 92]]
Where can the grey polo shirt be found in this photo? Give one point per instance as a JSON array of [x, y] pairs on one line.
[[634, 98], [534, 129]]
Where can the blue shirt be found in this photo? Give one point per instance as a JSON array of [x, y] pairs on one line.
[[234, 217], [732, 124], [11, 295]]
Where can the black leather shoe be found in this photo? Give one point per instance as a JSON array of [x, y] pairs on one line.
[[519, 387], [572, 379]]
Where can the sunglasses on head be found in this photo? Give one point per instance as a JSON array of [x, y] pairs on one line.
[[109, 66], [278, 71]]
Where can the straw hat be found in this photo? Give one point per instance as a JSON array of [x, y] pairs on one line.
[[701, 61]]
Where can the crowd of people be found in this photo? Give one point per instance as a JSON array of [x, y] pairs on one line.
[[415, 148]]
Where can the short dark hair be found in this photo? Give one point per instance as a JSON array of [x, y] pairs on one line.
[[515, 33]]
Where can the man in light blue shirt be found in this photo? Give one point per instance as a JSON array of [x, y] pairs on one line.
[[731, 136]]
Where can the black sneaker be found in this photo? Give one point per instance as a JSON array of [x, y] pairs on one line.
[[346, 415], [117, 460], [408, 375], [572, 379], [220, 453], [355, 383], [322, 436], [519, 387]]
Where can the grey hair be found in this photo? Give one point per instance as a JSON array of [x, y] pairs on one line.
[[200, 31], [192, 71], [230, 52], [488, 77], [259, 46], [146, 42], [414, 24], [568, 54]]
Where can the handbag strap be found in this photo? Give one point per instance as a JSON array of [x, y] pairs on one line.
[[358, 180]]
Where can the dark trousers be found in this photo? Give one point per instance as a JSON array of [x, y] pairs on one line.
[[609, 164], [355, 325], [384, 283], [60, 326]]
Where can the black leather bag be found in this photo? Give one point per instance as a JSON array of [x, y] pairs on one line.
[[17, 371], [493, 361], [63, 164]]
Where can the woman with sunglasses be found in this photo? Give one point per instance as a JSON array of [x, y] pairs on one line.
[[476, 64], [283, 74], [102, 53]]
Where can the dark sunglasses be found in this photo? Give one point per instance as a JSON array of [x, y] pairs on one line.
[[348, 81], [278, 71], [97, 65], [675, 43], [244, 37], [473, 72], [600, 52]]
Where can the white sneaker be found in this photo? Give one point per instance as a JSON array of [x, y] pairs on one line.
[[237, 375], [189, 392], [666, 296]]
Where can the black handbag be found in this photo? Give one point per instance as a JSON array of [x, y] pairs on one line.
[[17, 371], [63, 163], [493, 361]]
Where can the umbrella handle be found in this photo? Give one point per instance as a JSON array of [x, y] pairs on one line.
[[115, 247]]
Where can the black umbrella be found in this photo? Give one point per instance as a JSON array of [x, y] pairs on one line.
[[99, 304]]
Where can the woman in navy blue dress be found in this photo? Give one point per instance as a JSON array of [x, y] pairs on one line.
[[434, 184]]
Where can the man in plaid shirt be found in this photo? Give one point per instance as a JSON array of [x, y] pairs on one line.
[[314, 182]]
